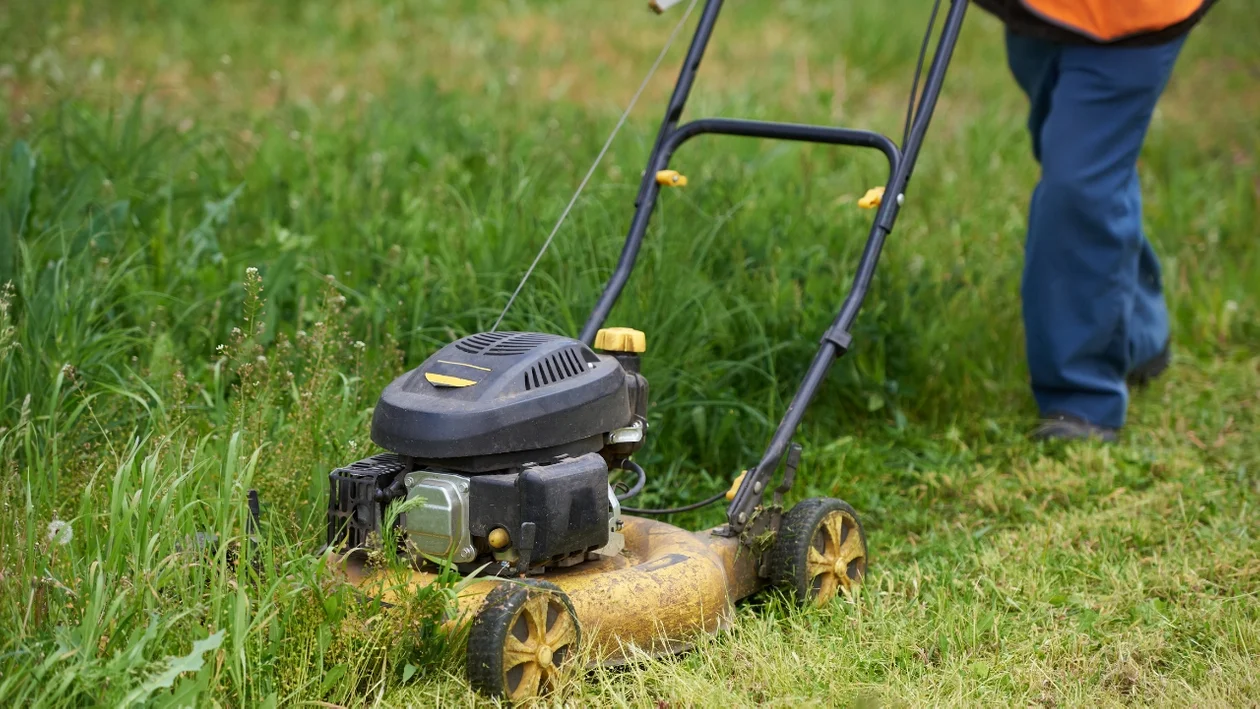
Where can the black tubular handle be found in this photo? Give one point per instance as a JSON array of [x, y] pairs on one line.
[[836, 340]]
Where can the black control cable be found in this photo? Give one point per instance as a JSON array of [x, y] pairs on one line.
[[672, 510], [918, 71], [633, 467]]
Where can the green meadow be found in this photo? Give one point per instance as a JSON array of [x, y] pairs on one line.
[[226, 226]]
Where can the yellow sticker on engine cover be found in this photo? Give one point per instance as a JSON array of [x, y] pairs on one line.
[[446, 380]]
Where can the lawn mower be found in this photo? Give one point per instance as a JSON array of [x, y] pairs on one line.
[[500, 447]]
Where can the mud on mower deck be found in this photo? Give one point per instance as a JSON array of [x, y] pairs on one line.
[[504, 450], [666, 587]]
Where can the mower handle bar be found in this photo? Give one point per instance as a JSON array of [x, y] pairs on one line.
[[785, 131], [836, 340]]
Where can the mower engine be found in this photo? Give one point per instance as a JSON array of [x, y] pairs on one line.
[[504, 441]]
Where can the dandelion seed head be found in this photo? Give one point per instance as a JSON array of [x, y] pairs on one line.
[[60, 532]]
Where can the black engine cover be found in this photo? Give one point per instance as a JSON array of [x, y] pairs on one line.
[[499, 393]]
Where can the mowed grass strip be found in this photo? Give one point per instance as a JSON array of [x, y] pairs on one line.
[[389, 169]]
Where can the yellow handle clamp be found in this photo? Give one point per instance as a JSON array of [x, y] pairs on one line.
[[671, 178], [872, 199], [730, 494]]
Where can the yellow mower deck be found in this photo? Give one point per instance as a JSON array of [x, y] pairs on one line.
[[667, 585]]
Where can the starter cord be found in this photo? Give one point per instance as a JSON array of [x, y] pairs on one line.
[[598, 158]]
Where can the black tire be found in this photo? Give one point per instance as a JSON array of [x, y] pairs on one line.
[[811, 526], [505, 631]]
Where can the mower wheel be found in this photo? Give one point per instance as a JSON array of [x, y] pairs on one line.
[[521, 640], [819, 550]]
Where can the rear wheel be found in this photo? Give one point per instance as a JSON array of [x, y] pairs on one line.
[[522, 640], [819, 551]]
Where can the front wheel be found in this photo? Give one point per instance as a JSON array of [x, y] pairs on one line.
[[521, 640], [820, 550]]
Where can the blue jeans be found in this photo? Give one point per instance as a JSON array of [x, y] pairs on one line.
[[1093, 300]]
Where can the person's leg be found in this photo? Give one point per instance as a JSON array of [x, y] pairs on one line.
[[1035, 65], [1093, 305], [1149, 335]]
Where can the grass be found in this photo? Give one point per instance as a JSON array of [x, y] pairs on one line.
[[388, 169]]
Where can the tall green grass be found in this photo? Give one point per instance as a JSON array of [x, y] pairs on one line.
[[213, 274]]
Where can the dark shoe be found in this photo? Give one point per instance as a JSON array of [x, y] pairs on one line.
[[1066, 427], [1147, 371]]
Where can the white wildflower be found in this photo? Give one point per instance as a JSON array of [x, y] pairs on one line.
[[60, 532]]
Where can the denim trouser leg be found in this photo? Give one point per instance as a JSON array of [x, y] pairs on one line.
[[1092, 291]]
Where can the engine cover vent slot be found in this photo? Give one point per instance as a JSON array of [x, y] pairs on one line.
[[476, 344], [502, 343], [555, 368]]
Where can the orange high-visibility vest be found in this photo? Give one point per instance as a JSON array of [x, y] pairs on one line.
[[1108, 20]]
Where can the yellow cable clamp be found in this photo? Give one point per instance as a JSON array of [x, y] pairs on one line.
[[671, 178], [872, 198], [730, 494]]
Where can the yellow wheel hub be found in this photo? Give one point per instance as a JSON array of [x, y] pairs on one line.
[[837, 557], [541, 629]]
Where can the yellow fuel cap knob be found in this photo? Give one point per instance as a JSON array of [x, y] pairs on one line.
[[620, 339]]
